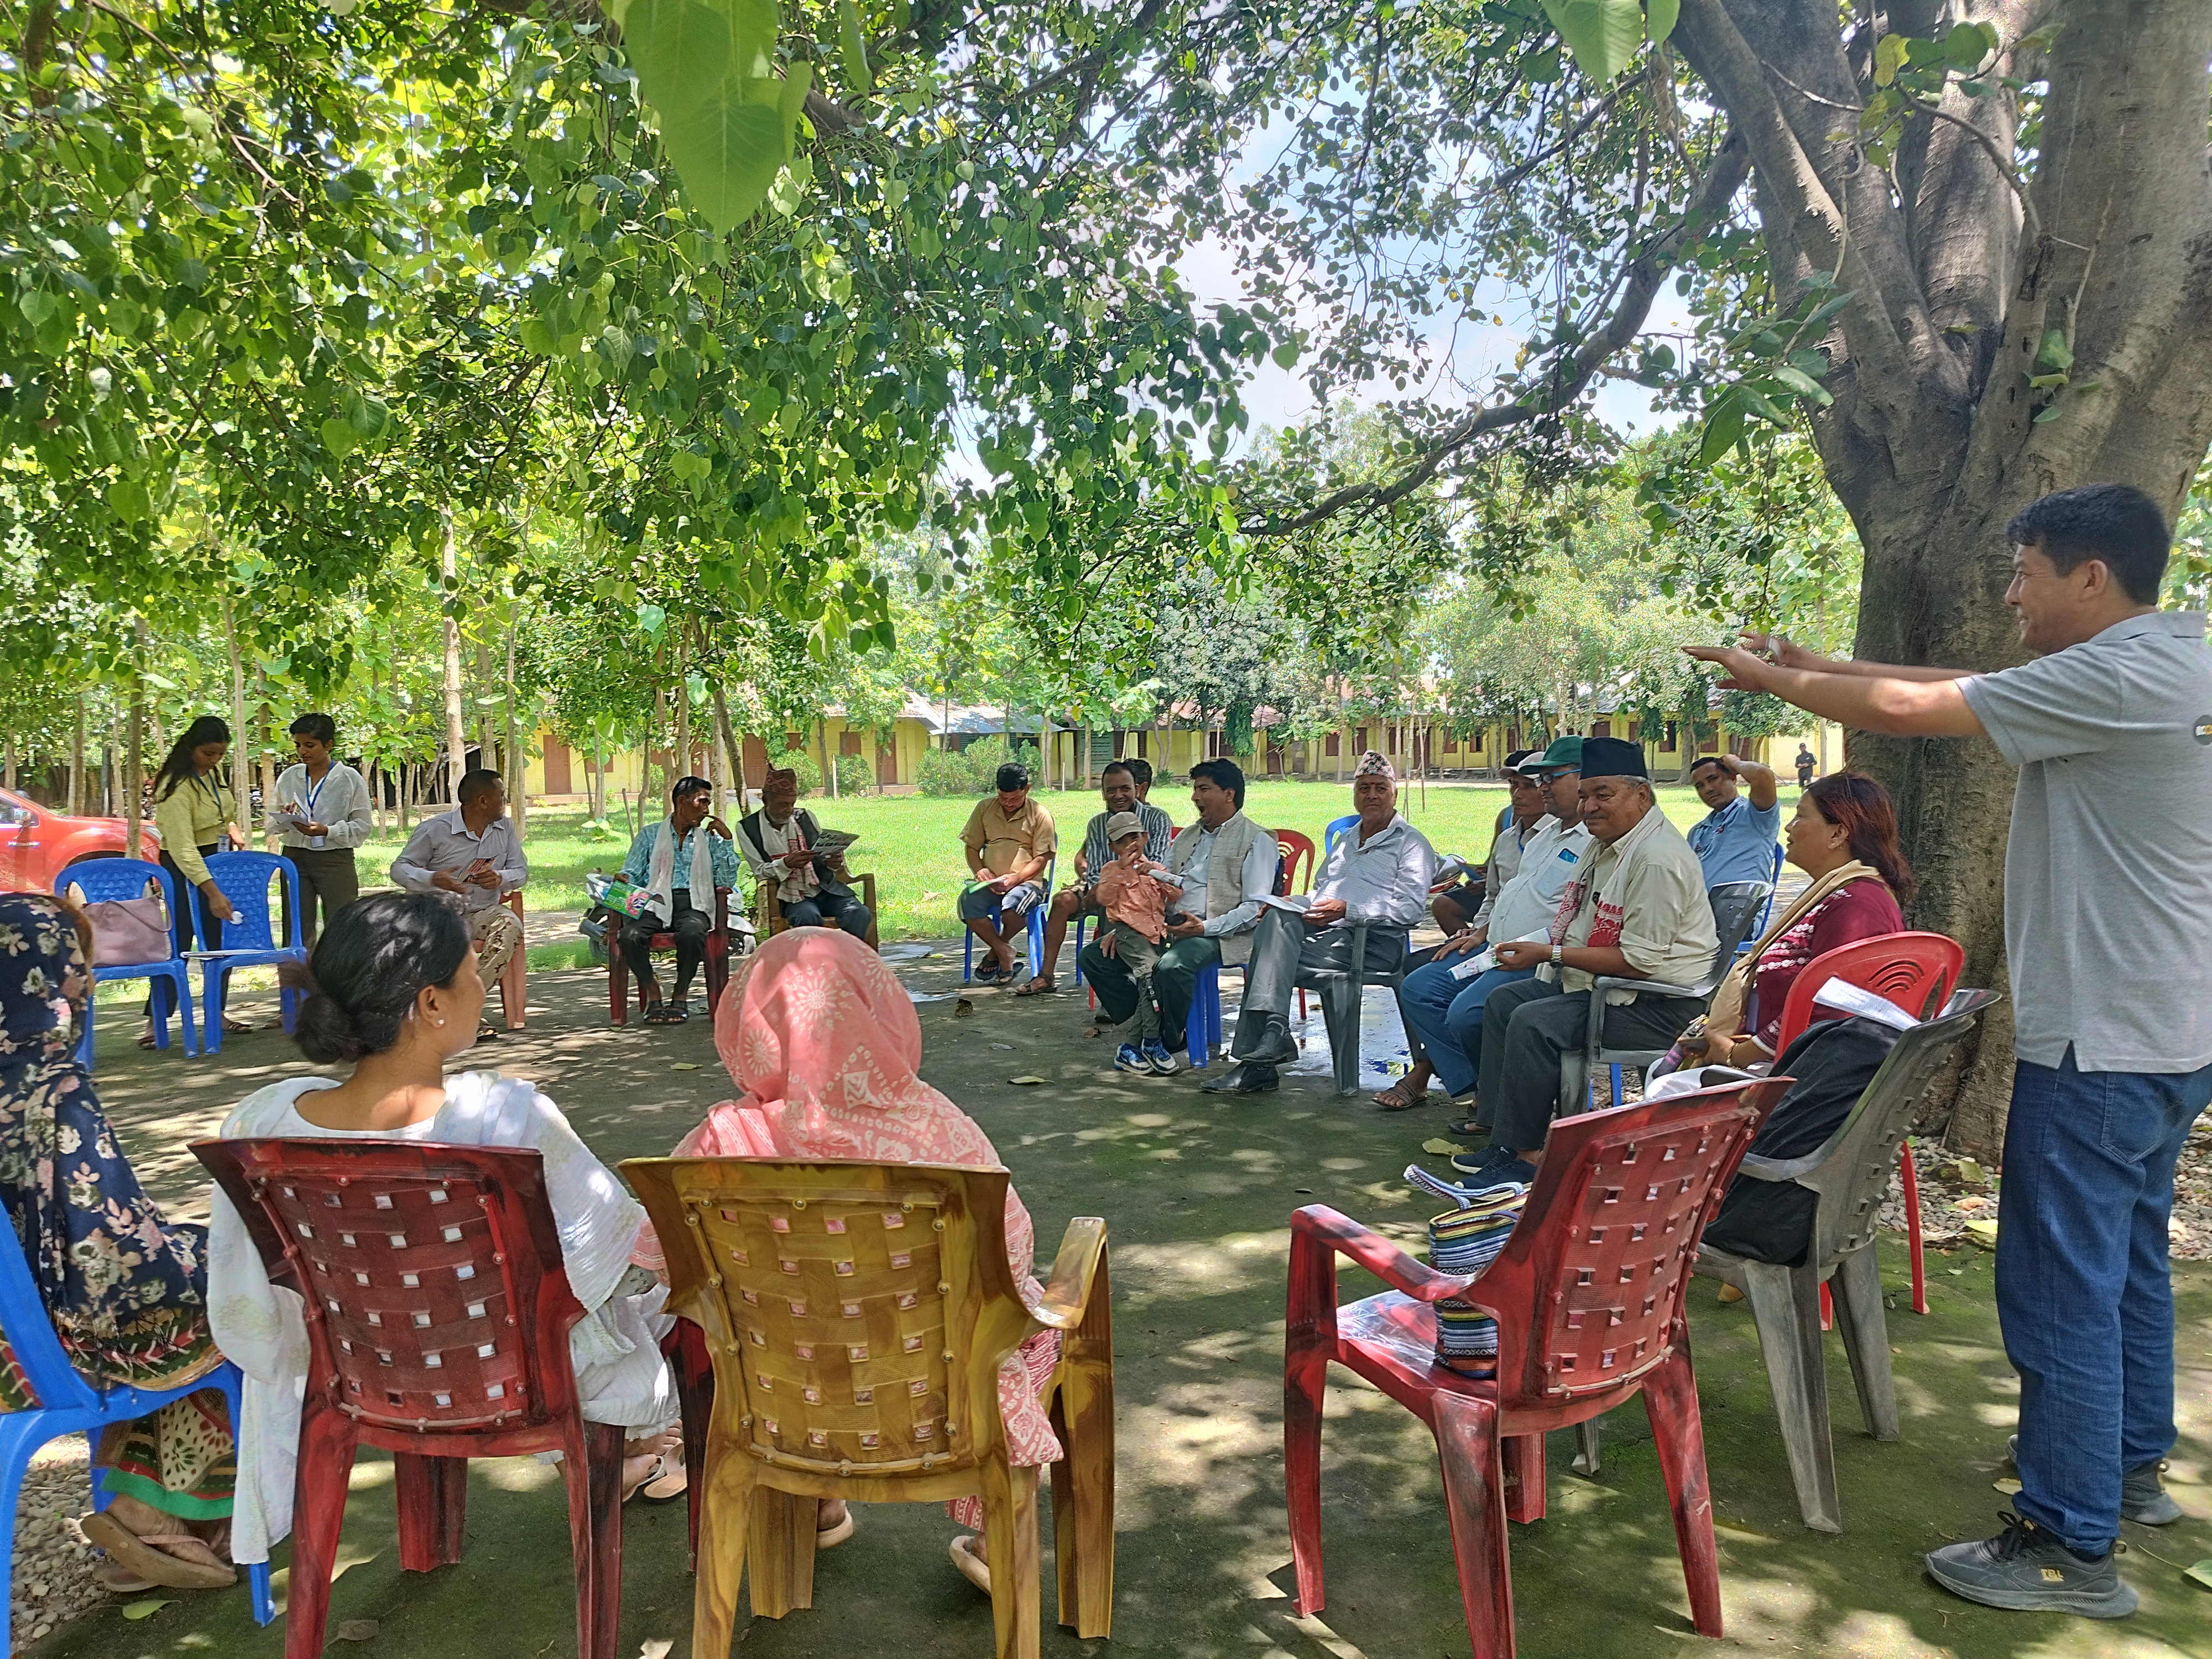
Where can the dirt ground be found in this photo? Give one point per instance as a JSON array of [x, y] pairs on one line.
[[1198, 1192]]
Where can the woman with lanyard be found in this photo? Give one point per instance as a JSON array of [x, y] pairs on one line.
[[323, 810], [194, 810]]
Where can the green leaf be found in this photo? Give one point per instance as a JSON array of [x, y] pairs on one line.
[[1889, 57], [1659, 17], [1601, 35], [1803, 384], [652, 618], [854, 46], [339, 437], [2200, 1574], [1724, 426], [2054, 353], [145, 1609], [1286, 353]]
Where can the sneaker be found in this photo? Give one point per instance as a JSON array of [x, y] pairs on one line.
[[1492, 1165], [2143, 1498], [2026, 1570], [1159, 1058], [1127, 1059]]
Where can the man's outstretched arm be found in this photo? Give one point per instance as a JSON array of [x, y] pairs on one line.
[[1780, 650], [1892, 703]]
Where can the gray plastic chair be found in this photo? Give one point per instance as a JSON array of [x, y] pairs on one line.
[[1851, 1173], [1340, 992], [1737, 906]]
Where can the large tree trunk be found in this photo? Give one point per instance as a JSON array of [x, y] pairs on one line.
[[76, 802], [517, 765], [241, 751], [132, 780], [733, 746], [1935, 438]]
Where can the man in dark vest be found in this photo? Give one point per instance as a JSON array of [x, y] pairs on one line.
[[778, 842]]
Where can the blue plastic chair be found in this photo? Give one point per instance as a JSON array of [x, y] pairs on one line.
[[1774, 886], [103, 880], [1036, 931], [1336, 828], [244, 878], [69, 1401]]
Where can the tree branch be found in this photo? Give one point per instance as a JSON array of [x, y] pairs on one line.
[[1819, 224], [1645, 274]]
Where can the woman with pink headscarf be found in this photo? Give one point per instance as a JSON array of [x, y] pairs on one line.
[[822, 1039]]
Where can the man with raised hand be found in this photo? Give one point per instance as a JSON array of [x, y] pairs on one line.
[[2108, 879], [1736, 840]]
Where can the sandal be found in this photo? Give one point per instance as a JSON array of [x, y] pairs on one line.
[[1041, 986], [159, 1557], [827, 1538], [1396, 1098], [662, 1013], [991, 974], [1466, 1126], [970, 1563]]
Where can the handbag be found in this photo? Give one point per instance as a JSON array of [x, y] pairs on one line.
[[128, 932]]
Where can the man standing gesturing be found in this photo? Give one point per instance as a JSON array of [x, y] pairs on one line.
[[2108, 878]]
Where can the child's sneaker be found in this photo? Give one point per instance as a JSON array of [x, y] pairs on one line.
[[1159, 1058], [1126, 1059]]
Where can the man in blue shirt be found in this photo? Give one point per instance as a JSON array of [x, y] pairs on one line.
[[679, 862], [1735, 841]]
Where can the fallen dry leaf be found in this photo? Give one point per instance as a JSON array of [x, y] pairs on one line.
[[145, 1609], [1443, 1148], [2008, 1485], [356, 1629], [684, 1065], [1029, 1078]]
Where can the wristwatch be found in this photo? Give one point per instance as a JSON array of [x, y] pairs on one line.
[[1556, 959]]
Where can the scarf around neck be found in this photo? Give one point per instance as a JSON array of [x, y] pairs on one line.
[[660, 873], [1725, 1018]]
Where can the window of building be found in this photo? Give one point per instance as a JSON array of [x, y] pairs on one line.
[[1332, 743], [1667, 743]]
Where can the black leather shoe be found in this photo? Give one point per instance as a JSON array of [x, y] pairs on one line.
[[1270, 1044], [1249, 1078]]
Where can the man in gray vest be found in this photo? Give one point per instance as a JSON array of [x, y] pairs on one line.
[[1220, 866], [2108, 879]]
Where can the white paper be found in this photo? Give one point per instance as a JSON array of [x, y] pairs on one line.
[[1847, 998], [1295, 903], [1481, 963]]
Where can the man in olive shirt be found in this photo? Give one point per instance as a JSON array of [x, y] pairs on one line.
[[2108, 879], [1009, 839]]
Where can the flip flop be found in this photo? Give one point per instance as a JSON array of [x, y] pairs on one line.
[[667, 1483], [144, 1558], [827, 1538], [1040, 986], [662, 1014], [1396, 1099]]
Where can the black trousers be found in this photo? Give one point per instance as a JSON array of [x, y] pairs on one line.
[[690, 928], [192, 916], [1528, 1026], [1175, 984]]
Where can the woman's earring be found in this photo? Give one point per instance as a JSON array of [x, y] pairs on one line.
[[437, 1022]]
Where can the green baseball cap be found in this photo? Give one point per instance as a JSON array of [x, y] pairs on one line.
[[1564, 752]]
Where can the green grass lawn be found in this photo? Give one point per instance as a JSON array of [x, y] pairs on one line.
[[911, 842]]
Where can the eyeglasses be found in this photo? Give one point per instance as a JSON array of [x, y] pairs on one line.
[[1564, 772]]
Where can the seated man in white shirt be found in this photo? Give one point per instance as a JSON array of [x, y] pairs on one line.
[[1377, 874], [473, 856]]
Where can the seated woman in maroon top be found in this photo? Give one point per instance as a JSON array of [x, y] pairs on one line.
[[1844, 837]]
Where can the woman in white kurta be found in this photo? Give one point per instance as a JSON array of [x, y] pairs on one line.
[[397, 993]]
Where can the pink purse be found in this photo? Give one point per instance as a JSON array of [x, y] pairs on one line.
[[128, 932]]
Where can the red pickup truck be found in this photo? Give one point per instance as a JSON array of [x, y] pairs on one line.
[[36, 843]]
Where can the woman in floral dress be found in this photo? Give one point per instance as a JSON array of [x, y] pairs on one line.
[[125, 1288]]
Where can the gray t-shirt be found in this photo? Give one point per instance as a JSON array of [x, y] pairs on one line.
[[2108, 877]]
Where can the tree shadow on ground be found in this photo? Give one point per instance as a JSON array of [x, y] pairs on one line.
[[1198, 1191]]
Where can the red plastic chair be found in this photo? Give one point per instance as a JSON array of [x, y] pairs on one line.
[[438, 1314], [1588, 1296], [1293, 847], [1916, 971], [619, 978]]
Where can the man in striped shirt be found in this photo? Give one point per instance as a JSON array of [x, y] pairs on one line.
[[1118, 784]]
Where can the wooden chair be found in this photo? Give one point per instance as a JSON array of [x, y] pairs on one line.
[[1588, 1298], [620, 978], [768, 915], [514, 983], [855, 1314], [437, 1313]]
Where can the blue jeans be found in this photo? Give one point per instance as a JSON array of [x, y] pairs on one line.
[[2084, 1296], [1446, 1014]]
